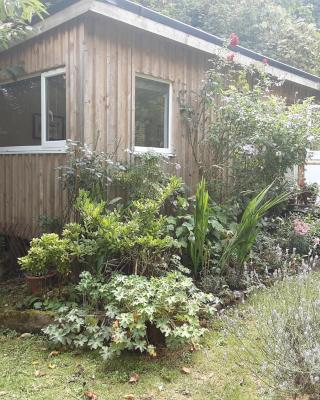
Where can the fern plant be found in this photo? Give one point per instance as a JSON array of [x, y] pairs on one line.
[[246, 232], [201, 217]]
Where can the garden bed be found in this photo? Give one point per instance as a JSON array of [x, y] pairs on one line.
[[22, 311], [13, 294]]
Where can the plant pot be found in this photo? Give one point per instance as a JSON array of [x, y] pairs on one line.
[[38, 284]]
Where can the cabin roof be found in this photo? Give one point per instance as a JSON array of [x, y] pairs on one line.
[[143, 18]]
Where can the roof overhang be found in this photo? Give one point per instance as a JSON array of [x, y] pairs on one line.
[[147, 20]]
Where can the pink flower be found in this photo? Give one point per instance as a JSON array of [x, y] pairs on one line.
[[265, 61], [234, 40], [316, 241], [300, 227], [231, 56]]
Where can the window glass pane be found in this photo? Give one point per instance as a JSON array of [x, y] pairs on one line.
[[20, 113], [151, 114], [56, 107]]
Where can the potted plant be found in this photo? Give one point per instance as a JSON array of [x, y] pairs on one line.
[[46, 258]]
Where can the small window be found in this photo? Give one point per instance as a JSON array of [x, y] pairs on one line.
[[152, 114], [33, 113]]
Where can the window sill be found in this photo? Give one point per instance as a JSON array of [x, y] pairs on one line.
[[164, 151], [33, 149]]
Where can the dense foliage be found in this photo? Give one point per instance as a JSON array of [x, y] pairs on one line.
[[282, 29], [135, 306], [243, 137], [282, 344], [15, 18], [134, 238], [48, 253], [101, 176]]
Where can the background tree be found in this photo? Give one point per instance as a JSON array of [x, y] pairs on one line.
[[16, 17], [286, 30]]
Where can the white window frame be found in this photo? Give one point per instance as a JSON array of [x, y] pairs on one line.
[[162, 150], [58, 146]]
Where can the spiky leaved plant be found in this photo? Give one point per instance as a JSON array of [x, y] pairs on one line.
[[246, 231], [201, 216]]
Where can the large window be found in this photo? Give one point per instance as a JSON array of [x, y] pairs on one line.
[[152, 114], [33, 113]]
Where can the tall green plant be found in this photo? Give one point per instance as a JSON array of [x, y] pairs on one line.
[[201, 217], [246, 232]]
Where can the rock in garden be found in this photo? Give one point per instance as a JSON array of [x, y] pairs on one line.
[[25, 335]]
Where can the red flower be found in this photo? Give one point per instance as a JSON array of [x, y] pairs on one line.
[[234, 40], [265, 61], [231, 56]]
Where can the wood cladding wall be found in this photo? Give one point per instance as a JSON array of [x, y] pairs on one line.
[[102, 58], [115, 53], [29, 186]]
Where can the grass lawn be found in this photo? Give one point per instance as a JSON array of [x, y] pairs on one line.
[[213, 373], [27, 372]]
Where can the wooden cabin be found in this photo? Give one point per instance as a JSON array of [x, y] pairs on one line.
[[106, 72]]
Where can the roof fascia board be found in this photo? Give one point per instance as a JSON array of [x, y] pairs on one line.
[[119, 14]]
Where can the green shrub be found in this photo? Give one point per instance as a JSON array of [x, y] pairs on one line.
[[171, 305], [77, 329], [251, 136], [134, 237], [88, 170], [145, 177], [47, 253], [281, 345], [99, 175]]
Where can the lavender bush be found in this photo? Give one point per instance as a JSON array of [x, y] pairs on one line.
[[282, 345]]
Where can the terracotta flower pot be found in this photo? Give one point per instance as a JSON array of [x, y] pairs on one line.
[[38, 284]]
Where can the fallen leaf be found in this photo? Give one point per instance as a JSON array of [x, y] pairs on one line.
[[52, 366], [54, 353], [39, 373], [3, 393], [90, 395], [134, 378], [129, 397], [185, 370]]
